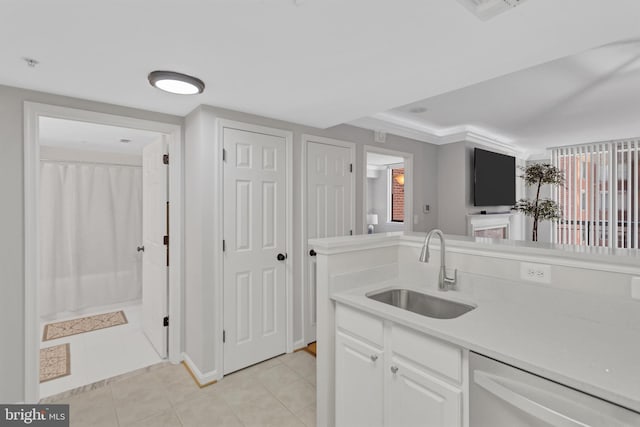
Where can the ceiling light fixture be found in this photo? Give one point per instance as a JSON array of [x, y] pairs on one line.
[[172, 82]]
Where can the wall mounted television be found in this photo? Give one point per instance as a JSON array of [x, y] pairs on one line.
[[494, 179]]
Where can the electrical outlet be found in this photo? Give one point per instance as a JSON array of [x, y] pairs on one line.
[[635, 287], [531, 272]]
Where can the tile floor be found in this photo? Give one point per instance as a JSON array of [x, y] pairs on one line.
[[278, 392], [102, 354]]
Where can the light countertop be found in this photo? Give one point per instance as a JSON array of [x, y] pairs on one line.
[[612, 259], [593, 357]]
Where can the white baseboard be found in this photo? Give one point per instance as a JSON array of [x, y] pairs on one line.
[[201, 378], [299, 344]]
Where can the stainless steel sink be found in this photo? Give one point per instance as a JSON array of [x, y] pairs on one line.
[[423, 304]]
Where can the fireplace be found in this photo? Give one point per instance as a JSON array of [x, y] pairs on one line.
[[492, 233], [493, 226]]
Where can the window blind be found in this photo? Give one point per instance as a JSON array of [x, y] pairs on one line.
[[600, 197]]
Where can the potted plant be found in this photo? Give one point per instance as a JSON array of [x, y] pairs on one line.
[[540, 209]]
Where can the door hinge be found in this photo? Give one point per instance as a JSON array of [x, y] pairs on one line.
[[224, 245], [165, 240], [224, 155], [351, 167], [165, 321], [224, 336], [350, 232], [165, 159]]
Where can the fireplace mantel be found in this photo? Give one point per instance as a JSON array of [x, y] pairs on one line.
[[490, 221]]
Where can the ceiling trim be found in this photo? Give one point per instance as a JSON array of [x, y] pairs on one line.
[[402, 126], [375, 124]]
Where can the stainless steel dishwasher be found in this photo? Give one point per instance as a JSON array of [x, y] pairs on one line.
[[501, 395]]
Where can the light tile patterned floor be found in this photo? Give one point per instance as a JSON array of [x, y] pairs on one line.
[[279, 392]]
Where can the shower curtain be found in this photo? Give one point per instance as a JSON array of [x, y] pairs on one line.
[[90, 227]]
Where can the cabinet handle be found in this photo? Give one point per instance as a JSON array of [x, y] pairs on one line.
[[394, 369], [374, 357]]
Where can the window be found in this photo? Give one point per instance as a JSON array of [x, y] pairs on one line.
[[601, 196], [396, 194]]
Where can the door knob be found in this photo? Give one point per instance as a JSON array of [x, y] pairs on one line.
[[312, 253], [140, 248], [282, 257]]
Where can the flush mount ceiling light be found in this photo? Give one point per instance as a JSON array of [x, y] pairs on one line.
[[177, 83]]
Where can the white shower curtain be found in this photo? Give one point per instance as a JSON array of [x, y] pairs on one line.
[[90, 226]]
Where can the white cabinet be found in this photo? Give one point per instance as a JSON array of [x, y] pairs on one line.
[[416, 398], [359, 396], [390, 375]]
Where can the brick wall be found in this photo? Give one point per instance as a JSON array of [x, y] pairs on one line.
[[397, 196]]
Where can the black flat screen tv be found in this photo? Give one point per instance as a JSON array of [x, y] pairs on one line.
[[494, 179]]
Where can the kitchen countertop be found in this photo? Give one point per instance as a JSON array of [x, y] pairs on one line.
[[595, 358], [606, 259]]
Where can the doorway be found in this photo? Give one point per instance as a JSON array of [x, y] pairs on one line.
[[98, 283], [328, 209], [388, 191]]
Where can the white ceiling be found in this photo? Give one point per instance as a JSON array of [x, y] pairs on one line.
[[315, 62], [93, 137], [376, 159], [587, 97]]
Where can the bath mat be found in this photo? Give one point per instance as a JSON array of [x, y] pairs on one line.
[[66, 328], [55, 362]]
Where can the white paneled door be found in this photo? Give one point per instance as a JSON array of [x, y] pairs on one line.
[[155, 256], [255, 256], [330, 205]]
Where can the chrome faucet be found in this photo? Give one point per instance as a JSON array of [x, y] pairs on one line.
[[444, 282]]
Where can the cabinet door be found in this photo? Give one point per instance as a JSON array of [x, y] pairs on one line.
[[416, 398], [359, 383]]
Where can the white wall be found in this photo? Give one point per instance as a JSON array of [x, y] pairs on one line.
[[452, 188], [202, 243], [12, 223], [376, 199]]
